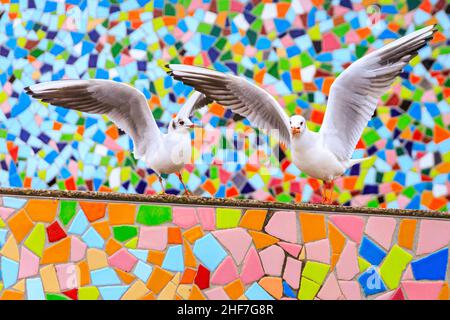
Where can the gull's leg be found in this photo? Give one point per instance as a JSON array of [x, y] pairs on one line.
[[324, 192], [185, 188], [332, 190], [161, 183], [327, 185]]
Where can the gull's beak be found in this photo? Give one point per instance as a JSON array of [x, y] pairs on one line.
[[295, 130], [189, 124]]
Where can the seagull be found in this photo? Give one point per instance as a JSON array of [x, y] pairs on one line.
[[352, 101], [127, 107]]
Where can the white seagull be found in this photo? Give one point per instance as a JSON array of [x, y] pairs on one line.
[[351, 103], [127, 108]]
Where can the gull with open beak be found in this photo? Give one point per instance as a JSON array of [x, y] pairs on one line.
[[127, 107], [352, 101]]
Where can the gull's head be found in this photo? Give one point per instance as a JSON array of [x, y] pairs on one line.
[[181, 123], [298, 125]]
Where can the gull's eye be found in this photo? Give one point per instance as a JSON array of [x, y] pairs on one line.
[[301, 123], [181, 122]]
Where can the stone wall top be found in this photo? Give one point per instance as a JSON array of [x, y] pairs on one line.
[[219, 202]]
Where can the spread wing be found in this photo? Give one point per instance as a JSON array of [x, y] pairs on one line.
[[197, 100], [354, 95], [237, 94], [123, 104]]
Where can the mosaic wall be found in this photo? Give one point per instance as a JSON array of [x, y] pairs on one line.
[[68, 249], [294, 49]]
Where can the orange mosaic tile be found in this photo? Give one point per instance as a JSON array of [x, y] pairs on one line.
[[42, 210], [193, 234], [262, 240], [50, 279], [10, 249], [57, 253], [103, 229], [445, 292], [188, 276], [313, 226], [196, 294], [20, 225], [337, 239], [158, 280], [12, 295], [84, 276], [112, 246], [406, 233], [93, 210], [334, 260], [136, 291], [235, 289], [126, 277], [253, 219], [155, 257], [189, 258], [121, 213], [174, 235], [149, 296], [273, 286]]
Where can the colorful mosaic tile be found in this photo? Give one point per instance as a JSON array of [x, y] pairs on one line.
[[294, 49], [170, 255]]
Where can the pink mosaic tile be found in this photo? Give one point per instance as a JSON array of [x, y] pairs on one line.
[[350, 290], [153, 238], [352, 226], [272, 260], [236, 240], [318, 251], [433, 235], [184, 217], [347, 265], [291, 248], [292, 272], [381, 229], [252, 269], [225, 272], [423, 290], [283, 225]]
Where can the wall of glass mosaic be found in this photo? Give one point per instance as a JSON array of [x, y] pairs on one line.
[[59, 249], [294, 49]]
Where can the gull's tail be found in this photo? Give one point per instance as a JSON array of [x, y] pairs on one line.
[[352, 162]]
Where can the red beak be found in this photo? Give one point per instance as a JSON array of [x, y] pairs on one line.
[[295, 130]]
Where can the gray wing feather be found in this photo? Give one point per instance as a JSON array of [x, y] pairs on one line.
[[124, 105], [354, 94], [238, 95], [197, 100]]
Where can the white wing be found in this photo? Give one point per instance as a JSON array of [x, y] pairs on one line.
[[196, 101], [123, 104], [237, 94], [354, 95]]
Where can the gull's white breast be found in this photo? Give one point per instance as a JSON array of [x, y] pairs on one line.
[[172, 154], [312, 158]]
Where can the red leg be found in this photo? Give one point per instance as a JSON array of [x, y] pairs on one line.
[[161, 183], [185, 188], [332, 190], [324, 193], [328, 185]]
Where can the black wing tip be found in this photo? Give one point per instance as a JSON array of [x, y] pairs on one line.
[[169, 71], [28, 90]]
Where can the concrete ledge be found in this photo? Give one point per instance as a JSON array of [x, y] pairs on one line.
[[222, 202]]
